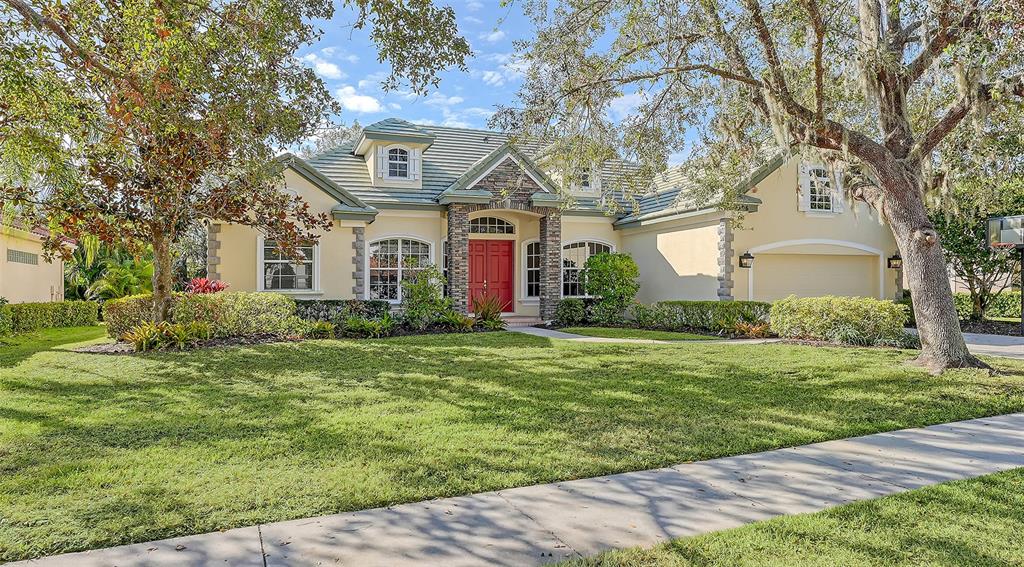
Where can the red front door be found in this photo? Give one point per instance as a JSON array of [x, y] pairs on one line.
[[491, 271]]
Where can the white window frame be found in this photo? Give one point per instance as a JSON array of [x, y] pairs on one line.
[[260, 274], [561, 263], [525, 270], [384, 162], [497, 218], [431, 253], [810, 179]]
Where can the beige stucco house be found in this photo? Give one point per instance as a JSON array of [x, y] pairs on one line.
[[404, 195], [25, 276]]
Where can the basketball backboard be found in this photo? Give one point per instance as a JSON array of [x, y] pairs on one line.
[[1006, 232]]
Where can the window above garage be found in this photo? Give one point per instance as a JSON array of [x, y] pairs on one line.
[[820, 191]]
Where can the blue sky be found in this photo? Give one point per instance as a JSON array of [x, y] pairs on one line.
[[347, 62]]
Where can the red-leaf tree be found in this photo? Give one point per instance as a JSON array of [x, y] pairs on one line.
[[133, 120]]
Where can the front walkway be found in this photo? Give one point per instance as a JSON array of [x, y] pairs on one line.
[[546, 523]]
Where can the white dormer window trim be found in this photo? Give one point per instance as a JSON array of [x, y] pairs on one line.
[[821, 191], [588, 181], [394, 159]]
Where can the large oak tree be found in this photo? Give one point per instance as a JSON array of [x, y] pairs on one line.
[[872, 87], [131, 120]]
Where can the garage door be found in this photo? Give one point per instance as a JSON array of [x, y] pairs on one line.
[[814, 275]]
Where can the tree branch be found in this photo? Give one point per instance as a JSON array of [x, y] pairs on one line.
[[947, 34], [956, 113], [819, 71]]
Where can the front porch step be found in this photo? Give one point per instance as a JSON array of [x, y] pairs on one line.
[[521, 320]]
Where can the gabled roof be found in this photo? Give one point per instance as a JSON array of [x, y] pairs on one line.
[[461, 190], [349, 207], [392, 130]]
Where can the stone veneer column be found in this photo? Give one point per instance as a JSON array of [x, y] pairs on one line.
[[212, 252], [725, 254], [458, 256], [358, 262], [551, 263]]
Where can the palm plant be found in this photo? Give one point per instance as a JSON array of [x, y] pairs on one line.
[[122, 278]]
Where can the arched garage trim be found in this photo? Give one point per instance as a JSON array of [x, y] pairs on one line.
[[828, 241]]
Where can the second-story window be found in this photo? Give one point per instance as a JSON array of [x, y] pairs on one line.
[[398, 163]]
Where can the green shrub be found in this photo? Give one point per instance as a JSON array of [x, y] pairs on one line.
[[423, 299], [6, 319], [340, 309], [320, 330], [240, 314], [849, 320], [570, 312], [710, 316], [124, 314], [454, 321], [1006, 304], [493, 324], [361, 327], [164, 335], [612, 277], [488, 310], [606, 312], [26, 317]]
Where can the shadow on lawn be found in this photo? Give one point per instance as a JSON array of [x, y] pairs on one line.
[[14, 350], [419, 417]]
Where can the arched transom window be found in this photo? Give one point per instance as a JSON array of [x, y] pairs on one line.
[[393, 261], [491, 225], [398, 163], [574, 258]]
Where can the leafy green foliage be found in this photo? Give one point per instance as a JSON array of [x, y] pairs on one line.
[[570, 311], [423, 300], [1006, 304], [850, 320], [122, 278], [239, 314], [337, 310], [455, 321], [124, 314], [361, 327], [612, 277], [26, 317], [708, 316], [959, 218], [320, 330], [488, 308], [178, 336], [606, 312]]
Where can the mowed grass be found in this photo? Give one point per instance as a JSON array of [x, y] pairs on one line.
[[625, 333], [968, 522], [99, 450]]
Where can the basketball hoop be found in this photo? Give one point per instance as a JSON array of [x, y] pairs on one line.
[[1003, 246]]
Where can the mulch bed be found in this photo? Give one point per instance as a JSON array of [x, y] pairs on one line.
[[991, 327]]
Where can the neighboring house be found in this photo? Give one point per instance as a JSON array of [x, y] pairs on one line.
[[24, 275], [404, 195]]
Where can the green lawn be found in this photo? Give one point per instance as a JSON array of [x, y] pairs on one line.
[[968, 522], [99, 450], [623, 333]]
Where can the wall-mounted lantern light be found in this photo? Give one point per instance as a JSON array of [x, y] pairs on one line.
[[895, 262], [747, 260]]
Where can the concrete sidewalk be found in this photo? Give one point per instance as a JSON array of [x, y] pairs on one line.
[[546, 523]]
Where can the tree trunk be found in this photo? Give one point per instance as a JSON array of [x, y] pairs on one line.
[[942, 343], [163, 276]]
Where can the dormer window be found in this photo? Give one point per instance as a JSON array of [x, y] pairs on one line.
[[398, 163], [585, 182]]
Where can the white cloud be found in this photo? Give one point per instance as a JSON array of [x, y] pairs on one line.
[[473, 20], [351, 100], [439, 99], [323, 67], [394, 106], [351, 58], [621, 107], [473, 5], [509, 69], [494, 36], [493, 78], [372, 80]]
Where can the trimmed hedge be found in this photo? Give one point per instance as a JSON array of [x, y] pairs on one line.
[[849, 320], [341, 309], [710, 316], [124, 314], [1006, 304], [26, 317], [238, 313]]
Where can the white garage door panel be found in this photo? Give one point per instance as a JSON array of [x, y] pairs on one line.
[[814, 275]]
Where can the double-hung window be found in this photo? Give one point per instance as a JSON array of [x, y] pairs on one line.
[[533, 260], [818, 190], [574, 258], [398, 163], [393, 261], [282, 272]]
